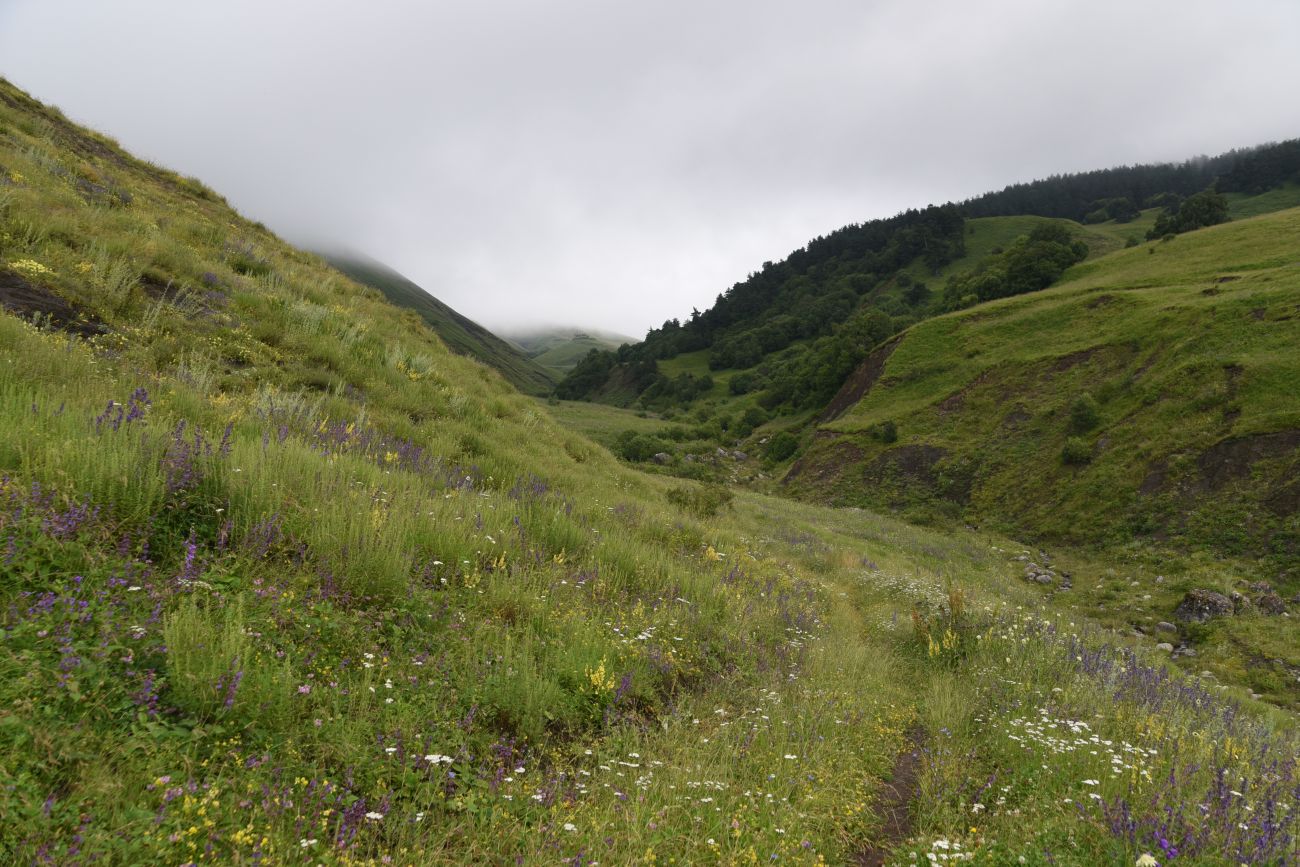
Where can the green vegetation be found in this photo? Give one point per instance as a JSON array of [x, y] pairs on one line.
[[808, 319], [1158, 357], [461, 335], [284, 580], [1031, 262], [1206, 208], [560, 349], [791, 334]]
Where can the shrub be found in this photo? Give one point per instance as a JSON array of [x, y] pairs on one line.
[[704, 501], [1076, 451], [1084, 414], [885, 432], [782, 446], [947, 634], [632, 446]]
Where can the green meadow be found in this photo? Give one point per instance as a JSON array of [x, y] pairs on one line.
[[284, 580]]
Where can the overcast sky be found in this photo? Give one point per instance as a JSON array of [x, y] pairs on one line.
[[614, 164]]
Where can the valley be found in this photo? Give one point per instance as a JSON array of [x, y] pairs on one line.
[[287, 577]]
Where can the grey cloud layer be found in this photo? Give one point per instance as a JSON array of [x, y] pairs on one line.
[[615, 164]]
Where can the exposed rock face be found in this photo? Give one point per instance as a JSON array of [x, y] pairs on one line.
[[1199, 606], [1266, 599], [26, 299], [860, 381]]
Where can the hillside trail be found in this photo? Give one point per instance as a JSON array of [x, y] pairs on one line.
[[895, 804], [896, 795]]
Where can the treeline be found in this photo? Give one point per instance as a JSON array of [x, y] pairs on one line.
[[1120, 192], [796, 328], [820, 297]]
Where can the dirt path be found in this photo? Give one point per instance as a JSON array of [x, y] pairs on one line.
[[895, 804]]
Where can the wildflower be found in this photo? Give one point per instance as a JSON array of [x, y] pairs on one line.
[[304, 689], [1146, 859], [304, 843], [373, 816], [569, 826], [30, 267]]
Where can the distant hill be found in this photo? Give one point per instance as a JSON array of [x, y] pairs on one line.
[[1151, 392], [559, 349], [461, 334], [787, 336]]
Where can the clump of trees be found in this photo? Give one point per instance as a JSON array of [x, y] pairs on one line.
[[1206, 208], [1032, 262], [811, 299]]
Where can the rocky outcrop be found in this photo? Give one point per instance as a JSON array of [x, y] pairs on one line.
[[1199, 606]]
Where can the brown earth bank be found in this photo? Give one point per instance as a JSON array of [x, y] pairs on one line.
[[860, 381], [38, 304]]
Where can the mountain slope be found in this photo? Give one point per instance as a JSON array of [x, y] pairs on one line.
[[792, 332], [460, 333], [1146, 393], [560, 349], [283, 580]]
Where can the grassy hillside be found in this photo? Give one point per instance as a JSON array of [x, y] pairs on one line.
[[1185, 348], [283, 580], [462, 335], [560, 349]]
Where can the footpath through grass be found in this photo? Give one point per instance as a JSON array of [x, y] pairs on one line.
[[284, 581]]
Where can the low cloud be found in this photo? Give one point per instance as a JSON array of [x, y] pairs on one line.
[[615, 165]]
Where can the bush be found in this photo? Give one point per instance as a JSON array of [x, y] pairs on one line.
[[1076, 452], [632, 446], [947, 633], [885, 432], [704, 501], [1084, 414], [782, 446]]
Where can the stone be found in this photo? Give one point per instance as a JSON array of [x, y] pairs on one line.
[[661, 458], [1165, 646], [1043, 578], [1270, 603], [1166, 626], [1201, 605]]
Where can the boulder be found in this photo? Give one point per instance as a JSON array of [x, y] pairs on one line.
[[1166, 626], [1199, 606], [1165, 646], [662, 458], [1270, 603]]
